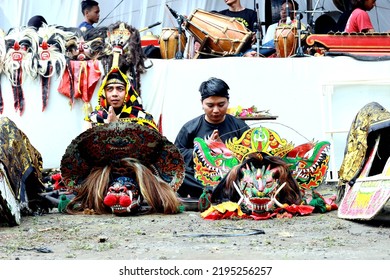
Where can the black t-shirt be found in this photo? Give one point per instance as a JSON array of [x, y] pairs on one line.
[[199, 127], [247, 16]]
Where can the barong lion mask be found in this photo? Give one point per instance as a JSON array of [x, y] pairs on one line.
[[123, 196]]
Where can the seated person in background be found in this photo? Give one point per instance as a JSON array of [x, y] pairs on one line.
[[359, 20], [91, 13], [247, 16], [215, 124], [268, 40], [36, 22]]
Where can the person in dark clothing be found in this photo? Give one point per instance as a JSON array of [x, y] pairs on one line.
[[342, 21], [359, 20], [248, 17], [91, 13], [36, 22], [215, 124]]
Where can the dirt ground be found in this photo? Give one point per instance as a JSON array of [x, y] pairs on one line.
[[187, 236]]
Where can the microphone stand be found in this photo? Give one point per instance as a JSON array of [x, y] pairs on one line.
[[257, 28], [288, 17], [180, 19], [299, 52], [179, 53], [149, 27], [109, 13]]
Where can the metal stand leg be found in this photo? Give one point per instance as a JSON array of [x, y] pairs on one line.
[[299, 52]]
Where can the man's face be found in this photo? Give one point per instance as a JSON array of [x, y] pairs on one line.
[[115, 94], [215, 108], [231, 2], [283, 11], [93, 14], [369, 4]]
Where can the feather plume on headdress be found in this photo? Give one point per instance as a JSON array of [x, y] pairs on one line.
[[126, 40], [132, 108], [20, 61]]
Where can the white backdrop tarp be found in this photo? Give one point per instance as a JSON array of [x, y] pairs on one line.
[[314, 98], [317, 97], [142, 13]]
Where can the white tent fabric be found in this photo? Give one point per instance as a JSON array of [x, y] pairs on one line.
[[311, 95], [314, 98], [142, 13]]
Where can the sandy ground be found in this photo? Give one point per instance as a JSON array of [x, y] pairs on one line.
[[187, 236]]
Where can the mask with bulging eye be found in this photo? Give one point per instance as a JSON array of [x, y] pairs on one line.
[[78, 49], [94, 48], [123, 196]]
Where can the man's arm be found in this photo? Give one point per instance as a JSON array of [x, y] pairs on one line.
[[185, 146]]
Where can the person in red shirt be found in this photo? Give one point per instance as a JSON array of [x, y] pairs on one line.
[[359, 20]]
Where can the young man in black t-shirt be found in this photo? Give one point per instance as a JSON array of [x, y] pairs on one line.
[[247, 16]]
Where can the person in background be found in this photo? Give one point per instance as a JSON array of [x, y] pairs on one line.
[[246, 16], [36, 21], [91, 13], [343, 18], [359, 20], [269, 37], [215, 124]]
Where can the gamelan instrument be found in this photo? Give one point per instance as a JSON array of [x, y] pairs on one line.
[[218, 35], [169, 42], [371, 44], [285, 40], [150, 39]]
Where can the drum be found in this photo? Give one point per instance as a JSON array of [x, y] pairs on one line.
[[150, 39], [327, 23], [285, 40], [169, 42], [218, 34]]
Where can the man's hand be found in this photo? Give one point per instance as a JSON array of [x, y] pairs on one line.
[[215, 136], [111, 115], [250, 54]]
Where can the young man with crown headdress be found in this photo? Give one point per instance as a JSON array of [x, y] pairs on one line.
[[118, 98], [122, 159], [118, 101]]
